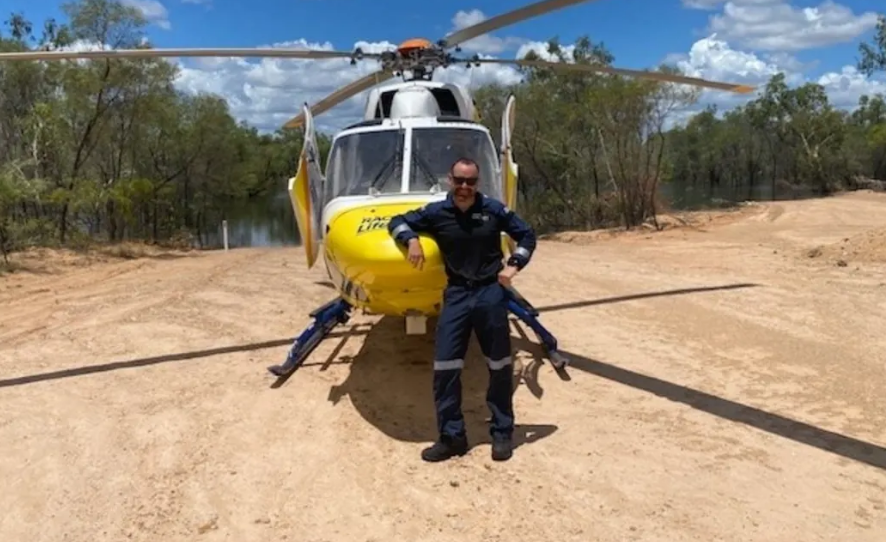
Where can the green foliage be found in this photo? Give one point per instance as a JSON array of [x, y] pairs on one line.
[[590, 147], [786, 143], [873, 55], [109, 150], [593, 150], [118, 152]]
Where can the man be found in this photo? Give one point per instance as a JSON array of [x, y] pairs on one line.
[[467, 227]]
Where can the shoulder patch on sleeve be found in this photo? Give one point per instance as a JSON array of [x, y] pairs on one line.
[[502, 208], [495, 205]]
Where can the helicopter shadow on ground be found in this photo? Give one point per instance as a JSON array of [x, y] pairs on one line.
[[390, 386]]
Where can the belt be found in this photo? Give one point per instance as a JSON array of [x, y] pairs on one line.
[[472, 283]]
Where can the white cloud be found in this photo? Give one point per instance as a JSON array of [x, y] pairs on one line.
[[714, 58], [846, 87], [153, 11], [776, 25], [487, 43]]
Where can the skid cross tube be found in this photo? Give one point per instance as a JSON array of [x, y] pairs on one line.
[[326, 318], [521, 308]]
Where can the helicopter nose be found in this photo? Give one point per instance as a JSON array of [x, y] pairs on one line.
[[359, 243]]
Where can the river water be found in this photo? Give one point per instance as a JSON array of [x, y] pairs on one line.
[[270, 222], [265, 222]]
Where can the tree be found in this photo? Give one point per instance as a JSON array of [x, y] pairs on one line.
[[873, 55], [109, 150], [592, 145]]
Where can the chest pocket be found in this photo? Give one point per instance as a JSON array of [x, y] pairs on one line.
[[477, 227], [479, 224]]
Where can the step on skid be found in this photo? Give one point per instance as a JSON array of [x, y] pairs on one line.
[[338, 311], [326, 318]]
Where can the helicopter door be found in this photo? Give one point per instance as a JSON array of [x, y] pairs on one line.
[[305, 192], [508, 166]]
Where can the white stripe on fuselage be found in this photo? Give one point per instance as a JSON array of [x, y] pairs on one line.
[[347, 203]]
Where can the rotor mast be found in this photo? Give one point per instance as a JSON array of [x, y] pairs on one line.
[[420, 58]]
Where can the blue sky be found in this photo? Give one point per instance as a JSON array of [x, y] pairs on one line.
[[754, 38], [639, 32]]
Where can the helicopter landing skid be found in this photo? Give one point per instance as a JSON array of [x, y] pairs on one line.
[[523, 310], [326, 318]]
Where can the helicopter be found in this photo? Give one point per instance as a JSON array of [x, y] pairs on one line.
[[395, 159]]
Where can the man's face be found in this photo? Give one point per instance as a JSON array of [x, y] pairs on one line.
[[463, 182]]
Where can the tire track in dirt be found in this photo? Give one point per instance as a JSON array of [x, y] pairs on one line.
[[124, 294]]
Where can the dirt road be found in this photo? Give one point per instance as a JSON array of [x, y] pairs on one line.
[[727, 385]]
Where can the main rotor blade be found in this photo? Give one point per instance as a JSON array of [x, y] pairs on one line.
[[599, 68], [505, 19], [340, 95], [165, 53]]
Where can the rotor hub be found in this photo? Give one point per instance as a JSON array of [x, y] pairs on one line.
[[418, 56], [413, 44]]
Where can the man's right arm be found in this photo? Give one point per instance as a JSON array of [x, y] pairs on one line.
[[409, 224]]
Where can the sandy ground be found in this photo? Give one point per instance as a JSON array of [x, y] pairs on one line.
[[727, 384]]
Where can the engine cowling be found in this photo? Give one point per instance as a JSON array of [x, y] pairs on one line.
[[414, 101]]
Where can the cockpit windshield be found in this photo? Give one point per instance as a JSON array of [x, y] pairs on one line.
[[364, 163], [367, 163], [435, 149]]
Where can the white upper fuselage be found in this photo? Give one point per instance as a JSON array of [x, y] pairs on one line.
[[408, 153], [450, 100], [396, 160]]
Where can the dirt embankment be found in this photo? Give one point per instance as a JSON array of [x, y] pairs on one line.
[[868, 247]]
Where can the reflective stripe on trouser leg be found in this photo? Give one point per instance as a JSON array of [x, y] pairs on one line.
[[453, 333], [496, 364], [449, 365], [490, 318]]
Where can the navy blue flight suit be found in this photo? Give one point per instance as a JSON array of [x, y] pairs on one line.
[[470, 243]]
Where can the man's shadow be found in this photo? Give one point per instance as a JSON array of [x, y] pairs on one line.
[[390, 385]]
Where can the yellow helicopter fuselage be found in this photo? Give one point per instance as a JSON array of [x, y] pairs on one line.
[[380, 168], [370, 269]]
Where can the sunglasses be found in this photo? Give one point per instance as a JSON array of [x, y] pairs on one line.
[[470, 181]]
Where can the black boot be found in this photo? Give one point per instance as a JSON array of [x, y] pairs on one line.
[[445, 448], [502, 448]]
